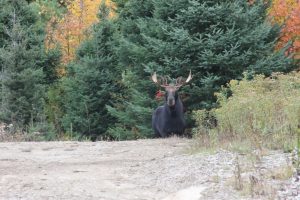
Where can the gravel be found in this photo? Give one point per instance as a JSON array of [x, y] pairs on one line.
[[143, 169]]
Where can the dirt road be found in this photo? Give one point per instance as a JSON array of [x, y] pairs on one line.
[[143, 169]]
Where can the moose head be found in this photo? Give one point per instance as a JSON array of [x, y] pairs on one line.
[[171, 94]]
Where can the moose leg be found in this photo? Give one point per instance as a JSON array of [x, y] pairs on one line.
[[164, 134], [156, 133]]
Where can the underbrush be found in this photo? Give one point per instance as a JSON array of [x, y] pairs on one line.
[[41, 131], [261, 113], [255, 116]]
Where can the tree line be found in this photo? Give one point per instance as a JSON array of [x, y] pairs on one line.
[[106, 92]]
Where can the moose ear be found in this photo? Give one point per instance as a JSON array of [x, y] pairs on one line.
[[189, 77], [154, 78]]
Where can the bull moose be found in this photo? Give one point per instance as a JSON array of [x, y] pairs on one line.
[[169, 118]]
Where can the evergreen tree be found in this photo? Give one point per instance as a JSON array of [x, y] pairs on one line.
[[23, 60], [132, 116], [93, 81], [218, 40], [21, 95]]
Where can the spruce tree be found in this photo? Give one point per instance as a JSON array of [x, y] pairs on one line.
[[23, 60], [133, 113]]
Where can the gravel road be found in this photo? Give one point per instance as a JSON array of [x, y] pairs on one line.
[[143, 170]]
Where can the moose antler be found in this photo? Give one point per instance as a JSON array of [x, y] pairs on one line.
[[180, 81], [163, 81]]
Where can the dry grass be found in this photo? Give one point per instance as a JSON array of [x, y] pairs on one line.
[[283, 173], [259, 189], [252, 179], [13, 137]]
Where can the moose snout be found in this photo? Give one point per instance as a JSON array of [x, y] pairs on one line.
[[171, 101]]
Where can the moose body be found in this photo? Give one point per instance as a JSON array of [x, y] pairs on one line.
[[167, 121], [169, 118]]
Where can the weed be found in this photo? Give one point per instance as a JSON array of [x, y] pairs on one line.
[[237, 175], [261, 113]]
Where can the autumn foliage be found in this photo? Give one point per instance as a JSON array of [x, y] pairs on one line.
[[287, 14], [73, 28]]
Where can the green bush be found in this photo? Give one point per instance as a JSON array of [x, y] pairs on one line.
[[41, 131], [265, 111]]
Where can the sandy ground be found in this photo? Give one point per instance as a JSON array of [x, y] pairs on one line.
[[143, 169]]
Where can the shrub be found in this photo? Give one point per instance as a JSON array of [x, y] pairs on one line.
[[264, 111]]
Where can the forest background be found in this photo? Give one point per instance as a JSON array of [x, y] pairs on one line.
[[80, 69]]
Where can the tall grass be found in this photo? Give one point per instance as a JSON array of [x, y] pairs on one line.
[[264, 112]]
